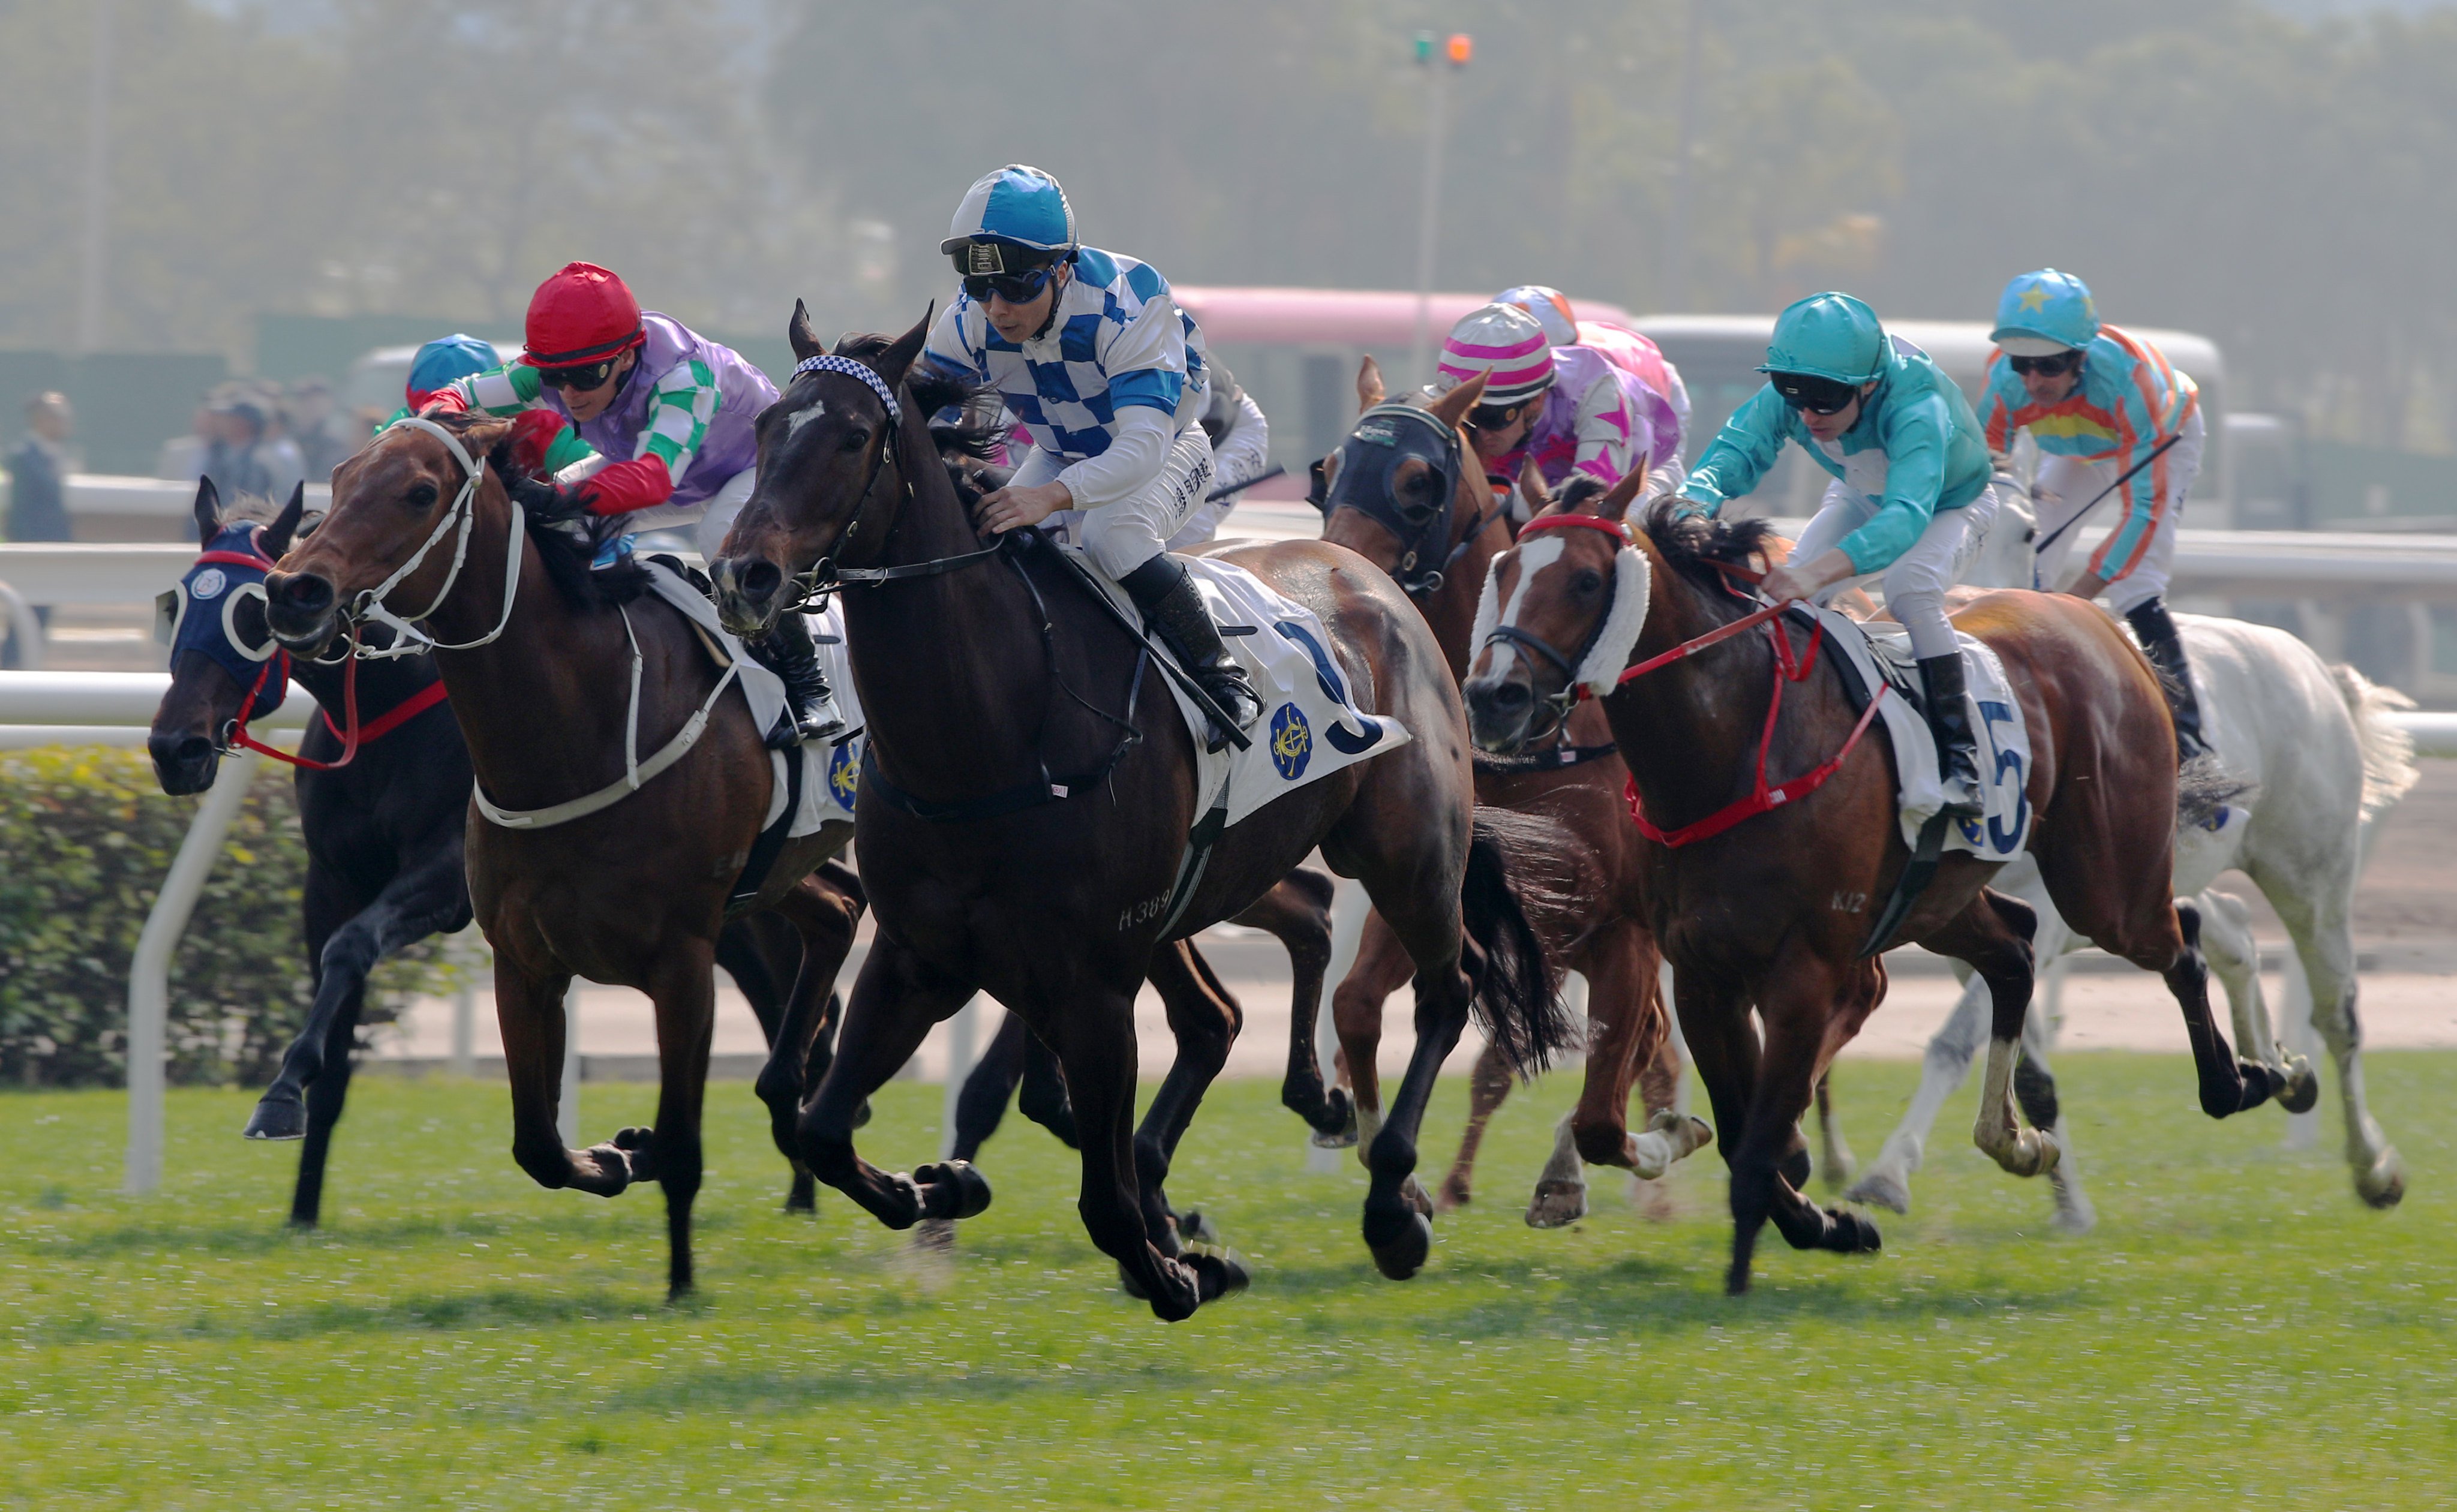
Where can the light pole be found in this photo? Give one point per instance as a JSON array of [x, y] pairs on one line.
[[97, 184], [1457, 51]]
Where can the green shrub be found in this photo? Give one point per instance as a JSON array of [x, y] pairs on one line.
[[86, 837]]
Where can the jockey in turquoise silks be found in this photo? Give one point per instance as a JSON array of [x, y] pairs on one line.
[[2101, 404], [1911, 498]]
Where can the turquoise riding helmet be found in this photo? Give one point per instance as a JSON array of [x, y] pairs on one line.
[[2045, 313], [1829, 336]]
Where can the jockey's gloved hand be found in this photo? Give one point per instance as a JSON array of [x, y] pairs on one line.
[[533, 432], [444, 401]]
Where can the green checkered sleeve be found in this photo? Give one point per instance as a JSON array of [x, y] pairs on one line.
[[505, 390], [680, 408]]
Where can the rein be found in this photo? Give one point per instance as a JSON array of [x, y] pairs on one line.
[[411, 641], [1790, 667]]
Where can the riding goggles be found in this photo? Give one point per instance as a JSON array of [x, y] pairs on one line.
[[1016, 288], [2054, 366], [585, 377], [1493, 417], [1818, 396]]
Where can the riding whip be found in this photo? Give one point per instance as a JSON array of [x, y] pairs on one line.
[[1227, 488], [2129, 474]]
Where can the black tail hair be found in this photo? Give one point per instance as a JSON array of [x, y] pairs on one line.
[[1518, 994]]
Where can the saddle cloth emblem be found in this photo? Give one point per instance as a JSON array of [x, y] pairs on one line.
[[844, 774], [1292, 741]]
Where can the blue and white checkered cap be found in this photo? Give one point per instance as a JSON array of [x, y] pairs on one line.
[[1019, 204]]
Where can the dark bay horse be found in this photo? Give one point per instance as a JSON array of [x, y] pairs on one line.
[[383, 830], [1031, 790], [1431, 519], [554, 673], [1774, 911]]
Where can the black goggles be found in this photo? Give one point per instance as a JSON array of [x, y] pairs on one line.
[[2055, 366], [1493, 417], [584, 376], [1016, 288], [1819, 396]]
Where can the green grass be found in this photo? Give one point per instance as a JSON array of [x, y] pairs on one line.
[[2238, 1330]]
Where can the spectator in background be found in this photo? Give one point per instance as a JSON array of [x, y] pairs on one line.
[[235, 457], [324, 434], [39, 472], [183, 457], [283, 458]]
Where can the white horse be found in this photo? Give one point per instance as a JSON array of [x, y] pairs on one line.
[[2322, 759]]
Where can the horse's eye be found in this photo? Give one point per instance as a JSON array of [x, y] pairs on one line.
[[854, 441], [422, 496], [1414, 483], [1589, 581]]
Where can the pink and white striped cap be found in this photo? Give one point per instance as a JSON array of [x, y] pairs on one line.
[[1504, 342]]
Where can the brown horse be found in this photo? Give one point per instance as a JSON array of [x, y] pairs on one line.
[[1775, 910], [538, 654], [1024, 820], [1431, 519]]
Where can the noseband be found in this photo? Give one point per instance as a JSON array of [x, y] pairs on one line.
[[408, 639], [1369, 468]]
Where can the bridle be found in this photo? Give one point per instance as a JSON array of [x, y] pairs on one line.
[[1398, 432], [369, 604], [812, 587], [1558, 706]]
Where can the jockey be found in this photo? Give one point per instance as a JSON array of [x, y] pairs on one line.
[[2101, 404], [679, 407], [1110, 377], [1911, 496], [1241, 451], [1568, 409], [543, 443], [1623, 347]]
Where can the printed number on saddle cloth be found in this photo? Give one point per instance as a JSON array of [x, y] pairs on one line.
[[2009, 771]]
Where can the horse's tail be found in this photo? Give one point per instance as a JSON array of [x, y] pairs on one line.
[[1519, 996], [2388, 751]]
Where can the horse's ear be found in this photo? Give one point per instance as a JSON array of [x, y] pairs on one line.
[[1370, 391], [1453, 407], [897, 359], [480, 438], [1616, 502], [275, 542], [1531, 488], [798, 331], [209, 509]]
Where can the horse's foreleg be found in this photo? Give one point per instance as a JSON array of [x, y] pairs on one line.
[[1798, 1003], [2235, 958], [1382, 967], [1723, 1045], [684, 992], [325, 1095], [1205, 1020], [1488, 1086], [896, 1000], [1630, 1034], [2316, 914], [414, 904], [1396, 1208], [1835, 1162], [2228, 1084], [529, 1008], [1296, 912]]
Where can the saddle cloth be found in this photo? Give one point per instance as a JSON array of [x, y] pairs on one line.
[[1311, 725], [1881, 654], [828, 771]]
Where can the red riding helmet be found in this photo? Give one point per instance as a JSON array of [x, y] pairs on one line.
[[582, 314]]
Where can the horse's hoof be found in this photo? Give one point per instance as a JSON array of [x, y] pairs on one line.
[[283, 1119], [1837, 1170], [634, 1138], [1556, 1204], [2384, 1185], [2301, 1092], [1218, 1273], [1736, 1282], [1848, 1232], [1880, 1188], [1342, 1132], [953, 1188], [1194, 1226], [1404, 1254], [1455, 1195], [2074, 1215]]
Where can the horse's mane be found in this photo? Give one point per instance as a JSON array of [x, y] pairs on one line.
[[1692, 545], [975, 429], [247, 509], [566, 554]]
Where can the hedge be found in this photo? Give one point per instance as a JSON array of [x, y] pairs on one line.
[[86, 837]]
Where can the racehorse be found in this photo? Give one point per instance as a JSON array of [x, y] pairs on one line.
[[1417, 506], [2312, 746], [1762, 895], [383, 830], [558, 675], [1030, 790]]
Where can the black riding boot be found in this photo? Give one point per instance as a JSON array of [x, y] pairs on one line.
[[1175, 607], [811, 712], [1948, 721], [2156, 630]]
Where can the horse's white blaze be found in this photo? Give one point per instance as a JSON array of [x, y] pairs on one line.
[[799, 418], [1534, 557]]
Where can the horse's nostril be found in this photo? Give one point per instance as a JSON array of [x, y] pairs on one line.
[[760, 580], [192, 749], [1508, 695], [307, 592]]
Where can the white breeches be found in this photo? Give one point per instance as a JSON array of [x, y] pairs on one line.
[[1122, 535], [2066, 486], [1916, 583]]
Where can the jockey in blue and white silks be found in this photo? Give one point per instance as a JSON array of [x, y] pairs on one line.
[[2101, 404], [1108, 377], [1911, 496]]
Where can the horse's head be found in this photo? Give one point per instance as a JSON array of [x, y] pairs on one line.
[[827, 447], [397, 506], [1561, 610], [1405, 489], [224, 665], [2009, 552]]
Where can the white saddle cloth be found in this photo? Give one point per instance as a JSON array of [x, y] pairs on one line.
[[1995, 721], [1311, 725], [828, 771]]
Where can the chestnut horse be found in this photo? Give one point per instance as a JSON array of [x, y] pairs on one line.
[[1431, 521], [1030, 791], [555, 671], [1773, 911]]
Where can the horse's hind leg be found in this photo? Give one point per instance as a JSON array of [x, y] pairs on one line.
[[824, 909], [1297, 913], [1993, 935], [981, 1105], [684, 992], [1835, 1162], [742, 950], [2315, 912], [1205, 1020], [896, 1000], [1628, 1034]]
